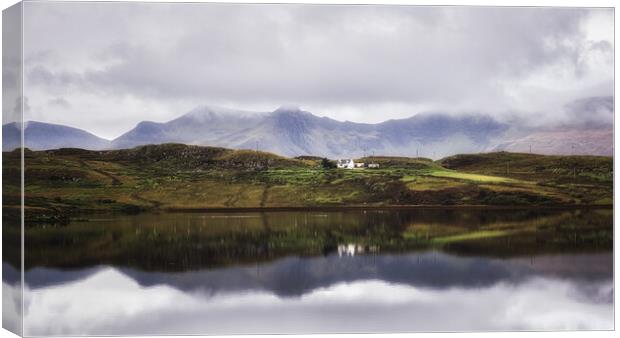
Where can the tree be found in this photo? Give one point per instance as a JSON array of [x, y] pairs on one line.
[[327, 164]]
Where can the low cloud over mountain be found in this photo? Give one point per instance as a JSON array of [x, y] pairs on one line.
[[291, 131]]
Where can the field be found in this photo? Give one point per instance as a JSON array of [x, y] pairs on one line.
[[63, 183]]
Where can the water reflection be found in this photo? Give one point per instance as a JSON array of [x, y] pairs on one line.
[[352, 249], [307, 272], [364, 306], [178, 242], [381, 293]]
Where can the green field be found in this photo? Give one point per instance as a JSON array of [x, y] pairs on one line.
[[472, 177], [65, 182]]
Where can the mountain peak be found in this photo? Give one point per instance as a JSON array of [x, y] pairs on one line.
[[201, 112], [288, 109], [292, 112]]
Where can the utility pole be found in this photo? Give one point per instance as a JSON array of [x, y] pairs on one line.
[[416, 153], [530, 148]]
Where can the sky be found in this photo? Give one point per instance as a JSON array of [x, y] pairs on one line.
[[104, 67]]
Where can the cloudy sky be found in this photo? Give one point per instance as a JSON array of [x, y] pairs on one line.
[[106, 66]]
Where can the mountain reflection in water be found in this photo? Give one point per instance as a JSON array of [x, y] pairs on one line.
[[558, 283]]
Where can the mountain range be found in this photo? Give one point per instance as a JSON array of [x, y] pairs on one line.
[[290, 131]]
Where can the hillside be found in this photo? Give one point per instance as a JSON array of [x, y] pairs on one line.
[[65, 182], [584, 169]]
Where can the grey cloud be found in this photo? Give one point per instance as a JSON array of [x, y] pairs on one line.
[[267, 62], [40, 75], [353, 56], [11, 62], [603, 46], [21, 105], [39, 56], [61, 102], [591, 111]]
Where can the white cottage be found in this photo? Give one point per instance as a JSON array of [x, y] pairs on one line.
[[350, 164], [345, 164]]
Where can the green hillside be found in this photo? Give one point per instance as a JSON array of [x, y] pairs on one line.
[[569, 169], [65, 182]]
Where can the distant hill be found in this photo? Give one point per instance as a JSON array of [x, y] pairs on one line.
[[42, 136], [175, 156], [565, 141]]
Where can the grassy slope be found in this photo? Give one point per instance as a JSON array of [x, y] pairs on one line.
[[65, 181], [585, 179]]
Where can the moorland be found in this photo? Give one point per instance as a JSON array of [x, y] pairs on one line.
[[175, 177]]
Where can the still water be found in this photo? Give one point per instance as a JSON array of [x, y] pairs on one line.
[[305, 272]]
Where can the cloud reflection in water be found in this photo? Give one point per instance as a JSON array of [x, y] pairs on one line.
[[112, 301]]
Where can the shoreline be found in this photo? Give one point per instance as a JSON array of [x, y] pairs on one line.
[[85, 213], [388, 207]]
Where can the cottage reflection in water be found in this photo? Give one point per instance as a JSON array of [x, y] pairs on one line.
[[352, 249]]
